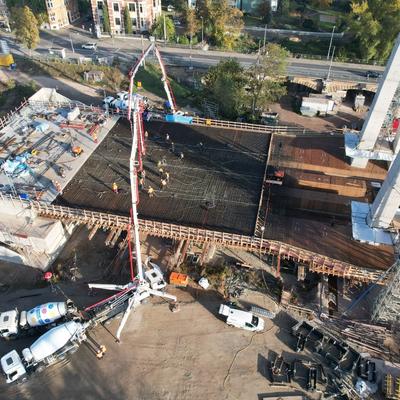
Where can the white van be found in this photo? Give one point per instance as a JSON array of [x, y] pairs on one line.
[[241, 319]]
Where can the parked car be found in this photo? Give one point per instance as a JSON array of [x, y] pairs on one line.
[[373, 74], [89, 46], [170, 8]]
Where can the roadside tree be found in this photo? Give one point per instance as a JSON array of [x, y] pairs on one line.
[[266, 79], [375, 24], [264, 10], [284, 7], [191, 22], [322, 3], [38, 7], [25, 26], [224, 22], [157, 29], [106, 18], [127, 21], [224, 84]]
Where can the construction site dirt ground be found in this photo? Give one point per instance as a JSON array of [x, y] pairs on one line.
[[163, 355], [345, 116], [191, 354]]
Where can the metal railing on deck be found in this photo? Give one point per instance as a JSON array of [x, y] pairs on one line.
[[317, 262]]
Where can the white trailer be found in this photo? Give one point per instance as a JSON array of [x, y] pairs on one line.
[[241, 319], [51, 347], [15, 323]]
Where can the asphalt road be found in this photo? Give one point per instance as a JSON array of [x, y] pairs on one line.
[[129, 49]]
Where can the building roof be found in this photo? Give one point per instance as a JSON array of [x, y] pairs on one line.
[[217, 185]]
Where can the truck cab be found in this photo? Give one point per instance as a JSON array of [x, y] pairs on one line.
[[155, 277], [12, 366], [9, 324], [241, 319]]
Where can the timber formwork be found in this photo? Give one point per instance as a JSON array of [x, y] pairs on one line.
[[316, 262]]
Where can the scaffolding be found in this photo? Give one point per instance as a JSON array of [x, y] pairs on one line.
[[387, 305]]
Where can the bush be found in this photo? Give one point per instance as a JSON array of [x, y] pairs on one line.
[[309, 24]]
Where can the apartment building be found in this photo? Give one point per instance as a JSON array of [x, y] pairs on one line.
[[4, 23], [247, 6], [61, 13], [142, 13]]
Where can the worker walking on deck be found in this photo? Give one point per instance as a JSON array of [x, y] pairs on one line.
[[150, 191], [115, 187], [58, 187], [167, 137], [166, 176], [163, 183], [181, 156], [141, 183]]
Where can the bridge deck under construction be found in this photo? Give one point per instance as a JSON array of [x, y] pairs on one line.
[[219, 185], [312, 209], [216, 185]]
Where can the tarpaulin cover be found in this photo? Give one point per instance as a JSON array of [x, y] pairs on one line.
[[42, 127]]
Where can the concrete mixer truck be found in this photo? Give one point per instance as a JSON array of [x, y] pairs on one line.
[[52, 347], [16, 323]]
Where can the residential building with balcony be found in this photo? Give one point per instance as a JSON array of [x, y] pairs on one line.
[[142, 13]]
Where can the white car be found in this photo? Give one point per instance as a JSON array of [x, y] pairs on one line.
[[170, 8], [89, 46]]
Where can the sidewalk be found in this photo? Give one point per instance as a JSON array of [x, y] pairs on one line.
[[72, 90]]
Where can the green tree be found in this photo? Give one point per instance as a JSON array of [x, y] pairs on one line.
[[25, 26], [106, 18], [223, 23], [266, 79], [84, 7], [38, 7], [321, 3], [225, 85], [375, 24], [264, 10], [191, 22], [127, 21], [284, 7], [157, 29]]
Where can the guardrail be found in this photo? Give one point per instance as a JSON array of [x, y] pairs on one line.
[[317, 263]]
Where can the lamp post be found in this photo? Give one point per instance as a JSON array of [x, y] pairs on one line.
[[330, 43], [72, 45], [330, 64], [202, 29], [190, 55], [265, 36]]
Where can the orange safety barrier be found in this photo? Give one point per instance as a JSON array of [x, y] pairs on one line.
[[178, 279]]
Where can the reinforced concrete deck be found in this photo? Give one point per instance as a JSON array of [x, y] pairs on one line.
[[323, 154], [216, 185], [315, 219]]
